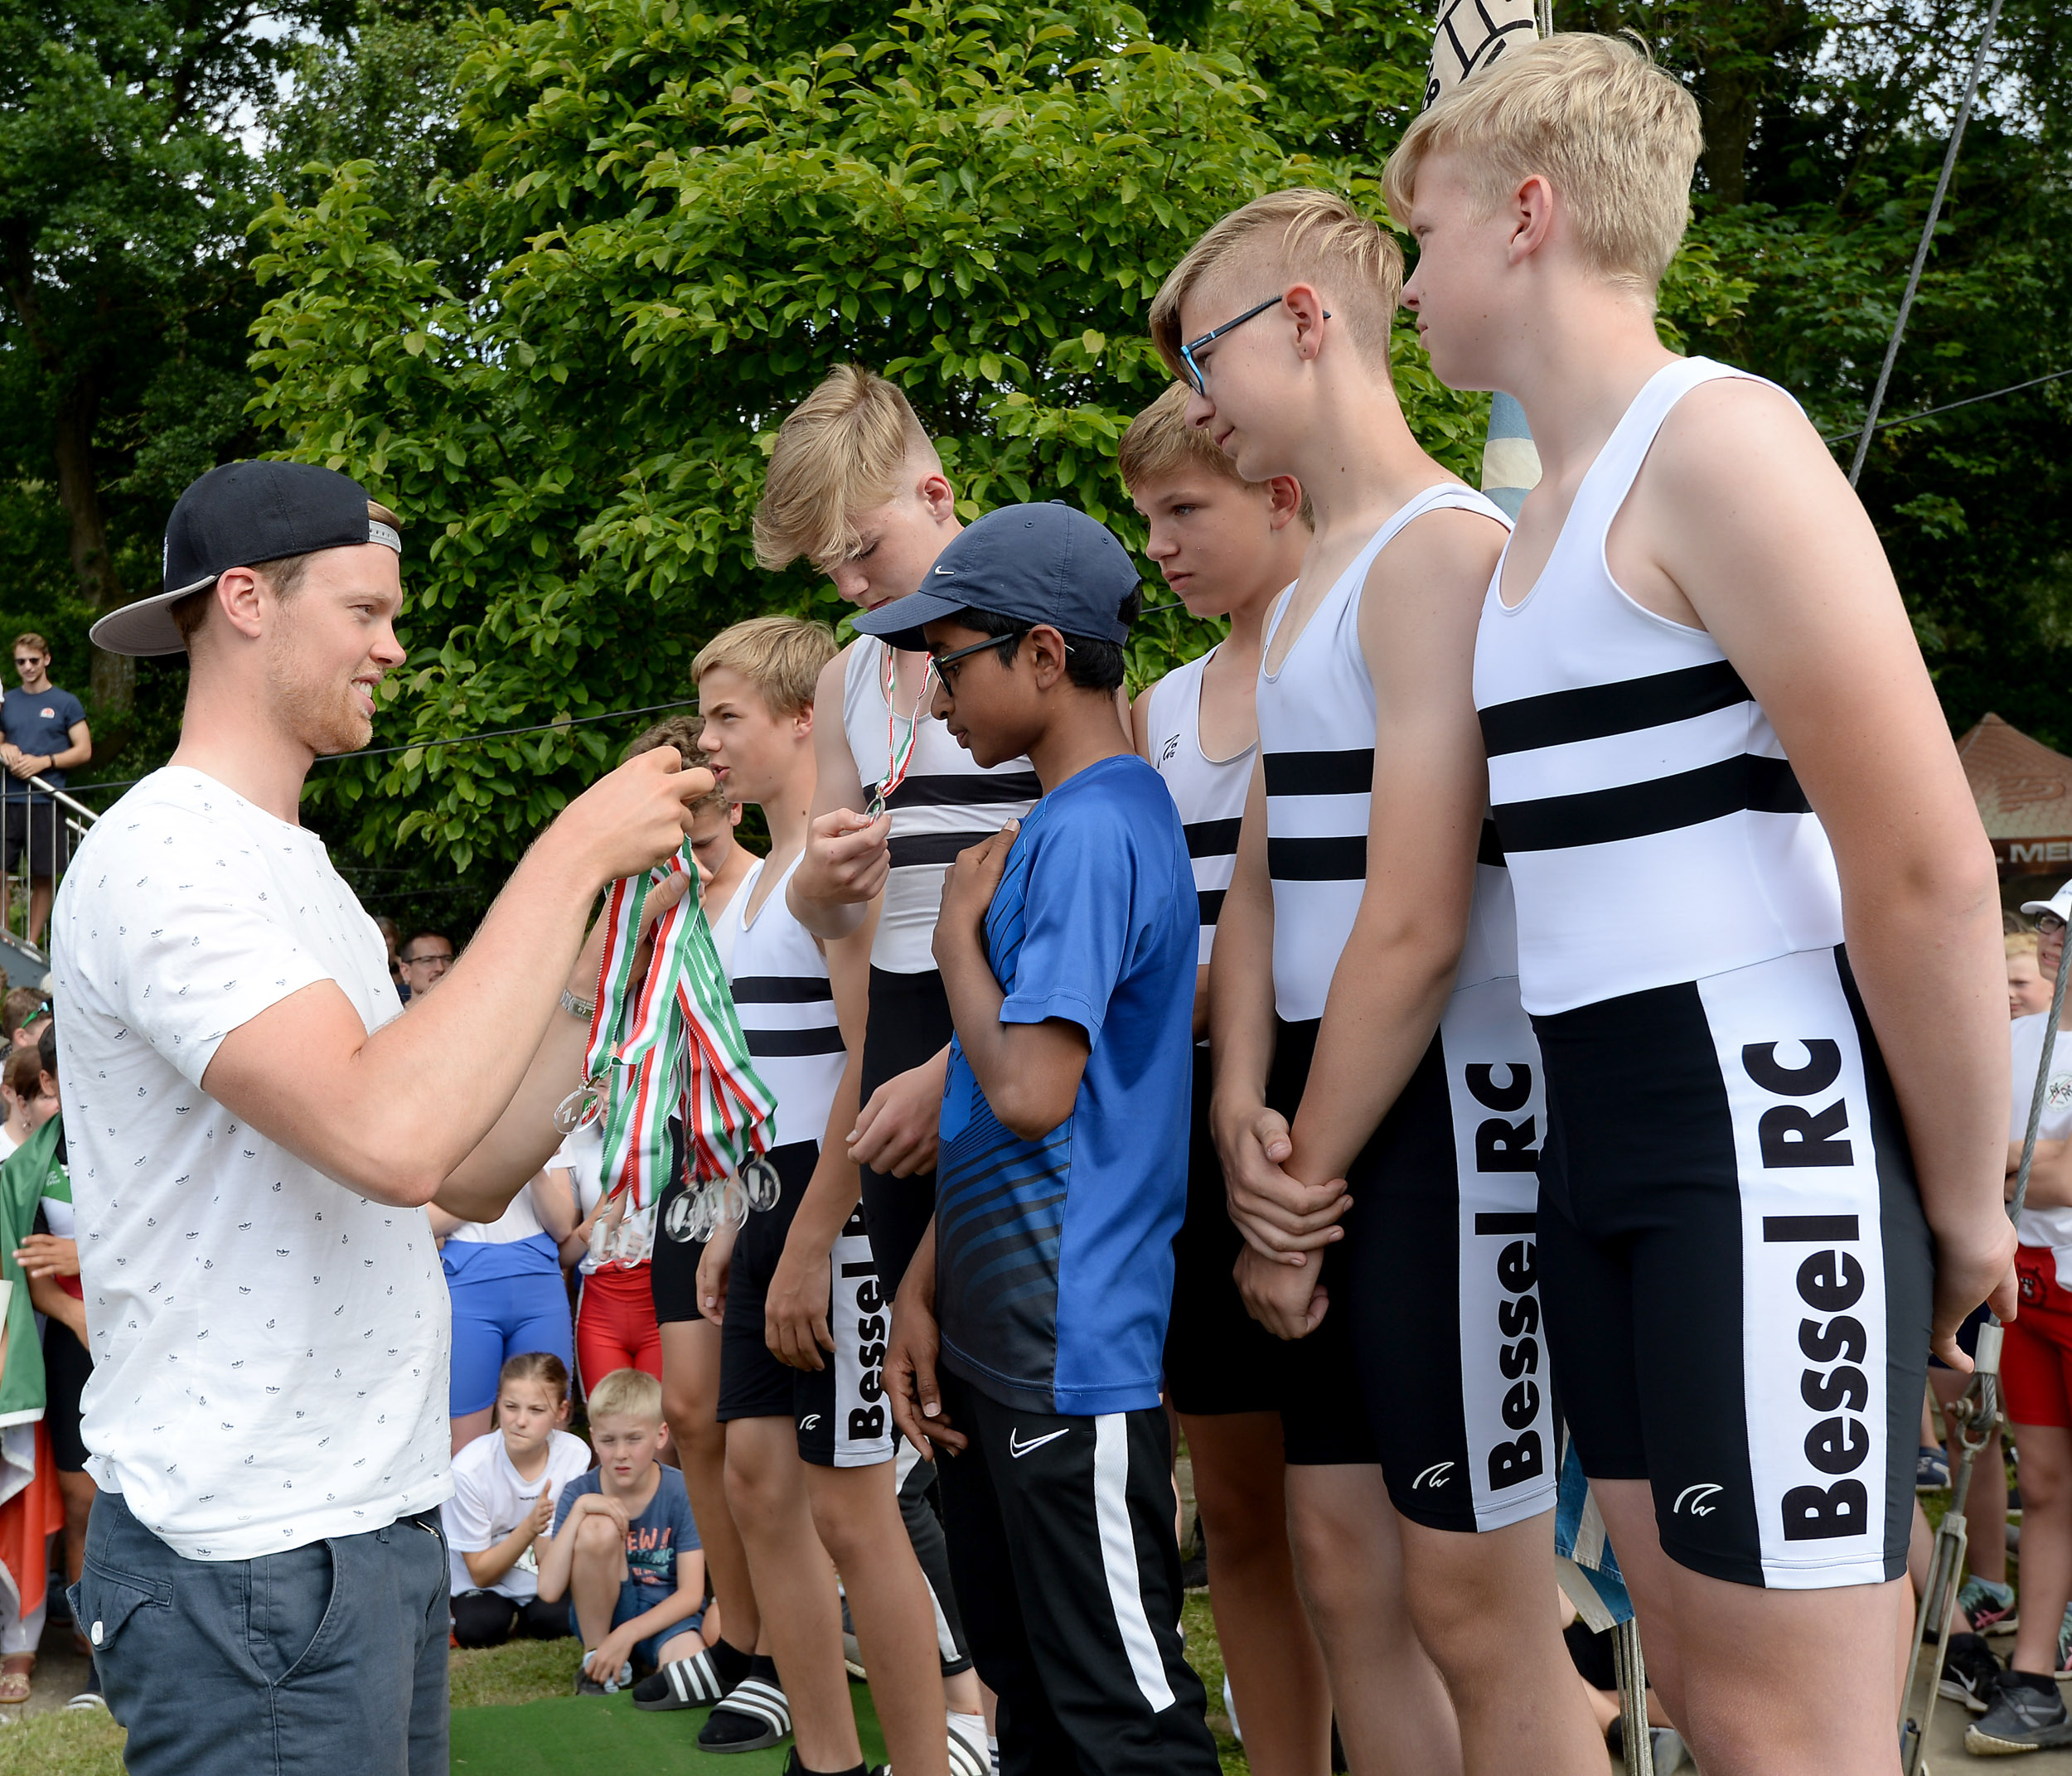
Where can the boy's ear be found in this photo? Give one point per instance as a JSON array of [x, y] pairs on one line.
[[1305, 308], [1047, 655], [1284, 500]]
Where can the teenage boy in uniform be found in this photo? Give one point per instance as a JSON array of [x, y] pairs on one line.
[[856, 488], [1364, 998], [1227, 547], [252, 1149], [809, 1444], [1067, 943], [1713, 752]]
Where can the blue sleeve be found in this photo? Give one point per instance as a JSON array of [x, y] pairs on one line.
[[71, 709], [1076, 915]]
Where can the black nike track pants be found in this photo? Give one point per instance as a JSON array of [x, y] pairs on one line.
[[1063, 1556]]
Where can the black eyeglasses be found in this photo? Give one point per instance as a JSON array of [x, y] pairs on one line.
[[945, 664], [1194, 372], [2048, 924]]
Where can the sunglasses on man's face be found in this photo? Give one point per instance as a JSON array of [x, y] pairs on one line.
[[1195, 372]]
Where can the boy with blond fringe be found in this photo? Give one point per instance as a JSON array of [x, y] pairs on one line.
[[1227, 547], [856, 488], [1366, 1026], [1713, 749], [808, 1447]]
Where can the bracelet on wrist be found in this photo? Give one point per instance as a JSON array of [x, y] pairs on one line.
[[585, 1010]]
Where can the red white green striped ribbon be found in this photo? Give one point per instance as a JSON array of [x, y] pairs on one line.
[[898, 753], [674, 1050]]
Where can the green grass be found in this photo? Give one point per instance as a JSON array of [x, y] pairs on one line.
[[62, 1744], [513, 1714]]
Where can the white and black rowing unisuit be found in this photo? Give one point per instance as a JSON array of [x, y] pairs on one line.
[[1439, 1254], [786, 1007], [1652, 826], [1209, 792], [1316, 738], [1735, 1264], [946, 805]]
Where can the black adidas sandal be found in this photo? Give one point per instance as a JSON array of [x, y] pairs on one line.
[[682, 1683], [753, 1717]]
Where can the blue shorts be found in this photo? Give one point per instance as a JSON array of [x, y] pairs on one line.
[[647, 1654], [507, 1299]]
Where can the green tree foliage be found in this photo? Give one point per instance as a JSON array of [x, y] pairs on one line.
[[124, 296], [679, 223]]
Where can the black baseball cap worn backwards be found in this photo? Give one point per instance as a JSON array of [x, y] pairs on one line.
[[1047, 563], [233, 516]]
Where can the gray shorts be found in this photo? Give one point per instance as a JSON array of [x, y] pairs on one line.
[[290, 1663]]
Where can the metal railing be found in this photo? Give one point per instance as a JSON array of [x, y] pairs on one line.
[[70, 818]]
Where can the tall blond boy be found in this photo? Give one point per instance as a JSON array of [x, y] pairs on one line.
[[857, 488], [1365, 1017], [1227, 547], [1774, 1162]]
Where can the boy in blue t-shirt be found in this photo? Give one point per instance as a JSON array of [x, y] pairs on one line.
[[625, 1549], [1067, 943]]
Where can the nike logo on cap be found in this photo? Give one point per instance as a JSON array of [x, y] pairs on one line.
[[1018, 1446]]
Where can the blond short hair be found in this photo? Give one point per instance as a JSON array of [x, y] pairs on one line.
[[627, 1393], [1160, 443], [839, 454], [1616, 137], [2020, 943], [782, 657], [1298, 236]]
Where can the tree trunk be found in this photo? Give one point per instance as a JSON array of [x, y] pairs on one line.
[[115, 677]]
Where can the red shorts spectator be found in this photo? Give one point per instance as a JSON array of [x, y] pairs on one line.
[[2035, 1362], [615, 1325]]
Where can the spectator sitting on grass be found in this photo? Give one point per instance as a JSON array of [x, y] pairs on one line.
[[625, 1550], [505, 1486]]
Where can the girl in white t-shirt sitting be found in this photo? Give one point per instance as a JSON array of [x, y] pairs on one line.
[[506, 1485]]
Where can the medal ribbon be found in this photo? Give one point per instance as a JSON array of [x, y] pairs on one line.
[[898, 753], [677, 1050]]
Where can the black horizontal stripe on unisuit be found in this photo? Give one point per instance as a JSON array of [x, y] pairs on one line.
[[1317, 859], [780, 989], [1593, 712], [1742, 784], [908, 849], [1211, 838], [969, 792], [1490, 850], [1320, 773], [1211, 900], [822, 1038]]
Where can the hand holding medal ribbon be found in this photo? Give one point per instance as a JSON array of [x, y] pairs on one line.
[[673, 1049]]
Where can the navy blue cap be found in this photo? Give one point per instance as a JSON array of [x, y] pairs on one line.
[[1048, 563], [233, 516]]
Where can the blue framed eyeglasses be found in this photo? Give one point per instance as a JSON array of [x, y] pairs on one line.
[[1194, 372]]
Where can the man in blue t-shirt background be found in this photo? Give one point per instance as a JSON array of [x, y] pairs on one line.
[[1067, 944], [43, 734]]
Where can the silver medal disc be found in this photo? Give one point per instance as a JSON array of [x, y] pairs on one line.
[[760, 1183], [678, 1219], [574, 1110], [876, 811]]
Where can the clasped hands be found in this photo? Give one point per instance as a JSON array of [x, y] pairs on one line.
[[1286, 1222]]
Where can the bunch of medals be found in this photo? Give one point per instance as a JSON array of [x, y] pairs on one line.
[[672, 1051]]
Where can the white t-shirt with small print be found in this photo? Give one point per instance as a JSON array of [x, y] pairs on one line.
[[490, 1500], [270, 1348]]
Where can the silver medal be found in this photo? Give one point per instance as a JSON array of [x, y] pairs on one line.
[[578, 1107], [760, 1185]]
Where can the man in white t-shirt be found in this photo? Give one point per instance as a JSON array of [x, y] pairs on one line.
[[255, 1138]]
